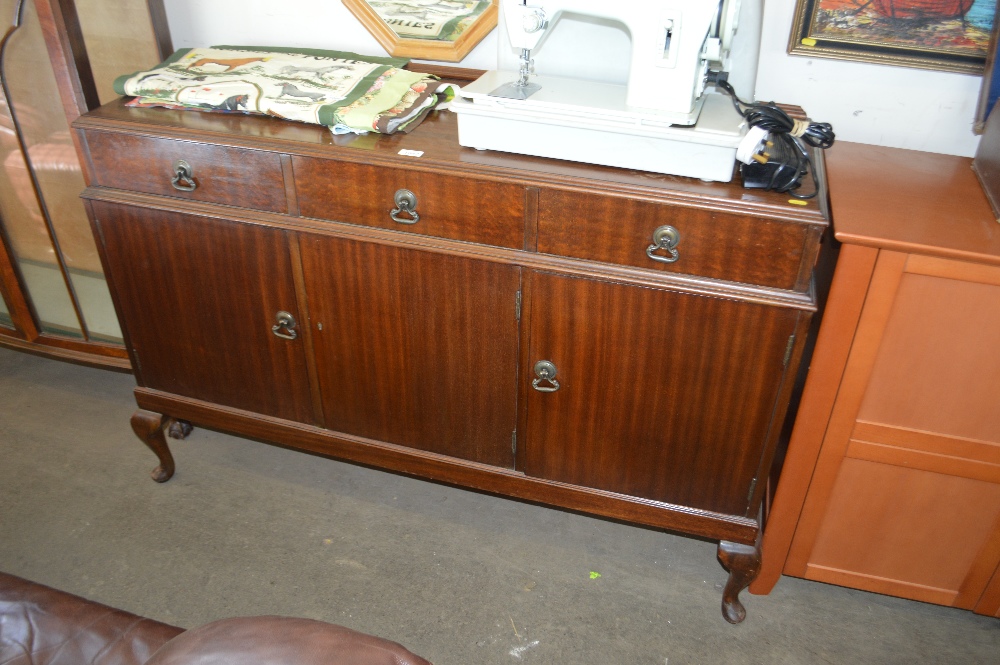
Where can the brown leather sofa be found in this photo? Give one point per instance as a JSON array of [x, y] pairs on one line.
[[43, 626]]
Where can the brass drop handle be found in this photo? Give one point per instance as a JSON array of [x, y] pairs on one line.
[[406, 204], [183, 177], [666, 238], [285, 326], [546, 372]]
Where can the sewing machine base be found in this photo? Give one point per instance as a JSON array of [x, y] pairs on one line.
[[705, 150]]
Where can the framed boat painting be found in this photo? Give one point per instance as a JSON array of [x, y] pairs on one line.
[[947, 35]]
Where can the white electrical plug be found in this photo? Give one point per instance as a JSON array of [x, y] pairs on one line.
[[751, 144]]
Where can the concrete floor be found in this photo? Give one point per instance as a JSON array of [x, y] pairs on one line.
[[461, 578]]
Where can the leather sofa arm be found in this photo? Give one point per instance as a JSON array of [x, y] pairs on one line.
[[42, 626], [270, 640]]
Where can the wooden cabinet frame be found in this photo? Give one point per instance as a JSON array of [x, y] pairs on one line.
[[728, 420], [885, 488]]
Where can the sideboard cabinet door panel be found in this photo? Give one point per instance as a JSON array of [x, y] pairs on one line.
[[415, 348], [661, 395], [198, 298]]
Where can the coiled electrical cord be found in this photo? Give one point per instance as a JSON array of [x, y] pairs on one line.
[[795, 163]]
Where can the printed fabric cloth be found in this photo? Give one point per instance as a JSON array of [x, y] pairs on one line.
[[344, 91]]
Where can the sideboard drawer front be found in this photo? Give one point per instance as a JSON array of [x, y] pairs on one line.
[[447, 206], [711, 244], [220, 174]]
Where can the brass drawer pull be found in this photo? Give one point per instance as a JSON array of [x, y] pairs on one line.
[[665, 237], [406, 204], [285, 326], [546, 371], [183, 177]]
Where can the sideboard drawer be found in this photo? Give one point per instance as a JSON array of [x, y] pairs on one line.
[[447, 206], [711, 244], [219, 174]]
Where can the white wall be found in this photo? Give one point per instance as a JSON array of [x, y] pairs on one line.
[[893, 106], [325, 24]]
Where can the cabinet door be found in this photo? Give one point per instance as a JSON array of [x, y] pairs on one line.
[[662, 395], [905, 495], [415, 348], [198, 298]]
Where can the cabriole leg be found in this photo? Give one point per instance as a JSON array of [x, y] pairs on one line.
[[743, 564], [148, 426]]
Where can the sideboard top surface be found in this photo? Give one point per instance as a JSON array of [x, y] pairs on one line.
[[911, 201], [436, 139]]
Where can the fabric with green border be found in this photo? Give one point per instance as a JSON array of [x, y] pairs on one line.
[[307, 85]]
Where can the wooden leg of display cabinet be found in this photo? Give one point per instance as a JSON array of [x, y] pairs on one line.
[[743, 564], [178, 429], [148, 426]]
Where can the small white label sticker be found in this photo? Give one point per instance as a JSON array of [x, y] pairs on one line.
[[411, 153]]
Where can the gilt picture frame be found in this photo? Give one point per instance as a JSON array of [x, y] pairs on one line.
[[944, 35], [445, 30]]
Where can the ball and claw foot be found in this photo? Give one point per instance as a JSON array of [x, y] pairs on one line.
[[743, 564], [149, 426], [161, 475], [178, 429]]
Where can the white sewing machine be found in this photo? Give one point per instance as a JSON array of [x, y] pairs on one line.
[[662, 119]]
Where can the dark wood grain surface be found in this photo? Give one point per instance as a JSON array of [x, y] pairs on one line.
[[413, 357], [451, 470], [713, 244], [470, 209], [436, 139], [415, 349], [663, 395], [198, 298], [231, 176]]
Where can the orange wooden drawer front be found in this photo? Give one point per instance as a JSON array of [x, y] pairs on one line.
[[231, 176], [712, 244], [454, 207]]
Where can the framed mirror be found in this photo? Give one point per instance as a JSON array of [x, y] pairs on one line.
[[426, 29]]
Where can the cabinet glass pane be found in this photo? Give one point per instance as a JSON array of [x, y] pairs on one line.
[[119, 39], [51, 164], [5, 320]]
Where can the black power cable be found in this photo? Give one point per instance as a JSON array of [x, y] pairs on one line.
[[784, 160]]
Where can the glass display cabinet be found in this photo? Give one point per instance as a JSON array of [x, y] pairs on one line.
[[58, 59]]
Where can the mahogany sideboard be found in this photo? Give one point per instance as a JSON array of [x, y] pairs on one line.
[[892, 479], [614, 342]]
